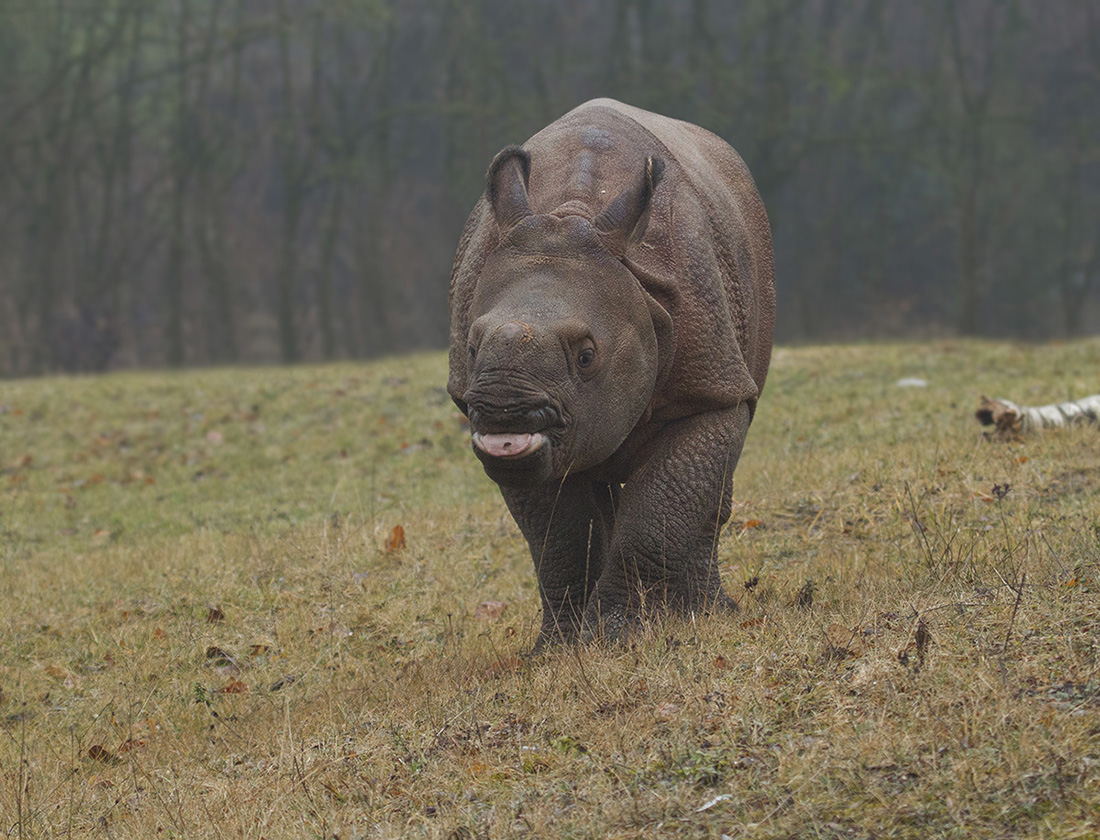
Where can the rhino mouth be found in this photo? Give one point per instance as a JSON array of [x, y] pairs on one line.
[[509, 445], [512, 433]]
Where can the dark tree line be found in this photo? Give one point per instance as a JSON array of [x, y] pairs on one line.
[[211, 181]]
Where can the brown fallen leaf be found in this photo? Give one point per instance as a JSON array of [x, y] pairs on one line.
[[214, 614], [98, 753], [283, 682], [218, 658], [805, 597], [667, 712], [490, 610], [131, 744], [508, 665], [476, 768], [842, 642], [234, 687], [260, 647], [396, 540], [333, 628], [922, 638]]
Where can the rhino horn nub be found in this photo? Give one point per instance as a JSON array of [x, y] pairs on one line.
[[624, 219], [506, 182]]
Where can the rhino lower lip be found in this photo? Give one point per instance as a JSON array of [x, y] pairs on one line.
[[509, 445]]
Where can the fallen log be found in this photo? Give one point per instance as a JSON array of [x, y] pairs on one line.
[[1013, 421]]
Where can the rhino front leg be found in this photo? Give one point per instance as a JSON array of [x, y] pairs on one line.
[[670, 514], [568, 528]]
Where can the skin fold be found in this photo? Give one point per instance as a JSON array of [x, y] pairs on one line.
[[612, 309]]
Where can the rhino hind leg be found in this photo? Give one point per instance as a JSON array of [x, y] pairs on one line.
[[662, 557], [568, 530]]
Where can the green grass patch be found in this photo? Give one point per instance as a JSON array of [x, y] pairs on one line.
[[288, 603]]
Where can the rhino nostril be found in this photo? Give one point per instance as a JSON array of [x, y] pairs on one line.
[[543, 416]]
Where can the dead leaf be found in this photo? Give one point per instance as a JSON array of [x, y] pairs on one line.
[[214, 614], [477, 768], [805, 597], [922, 638], [490, 610], [234, 687], [335, 628], [131, 744], [260, 647], [720, 662], [218, 658], [508, 665], [667, 712], [842, 642], [751, 623], [871, 673], [396, 540], [283, 682], [98, 753]]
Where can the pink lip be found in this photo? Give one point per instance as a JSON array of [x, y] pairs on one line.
[[508, 445]]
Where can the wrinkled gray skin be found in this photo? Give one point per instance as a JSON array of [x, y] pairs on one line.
[[612, 309]]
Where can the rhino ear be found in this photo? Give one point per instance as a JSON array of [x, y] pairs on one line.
[[624, 219], [506, 186]]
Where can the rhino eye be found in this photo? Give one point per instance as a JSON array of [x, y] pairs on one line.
[[586, 357]]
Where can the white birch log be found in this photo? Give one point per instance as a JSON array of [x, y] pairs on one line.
[[1013, 420]]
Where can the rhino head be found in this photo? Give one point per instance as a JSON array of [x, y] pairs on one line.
[[564, 347]]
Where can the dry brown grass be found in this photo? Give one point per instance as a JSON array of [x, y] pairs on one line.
[[206, 634]]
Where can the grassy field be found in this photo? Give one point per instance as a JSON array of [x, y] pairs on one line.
[[288, 603]]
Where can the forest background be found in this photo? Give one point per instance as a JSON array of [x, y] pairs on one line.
[[200, 182]]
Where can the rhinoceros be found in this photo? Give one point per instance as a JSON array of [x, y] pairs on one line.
[[612, 304]]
